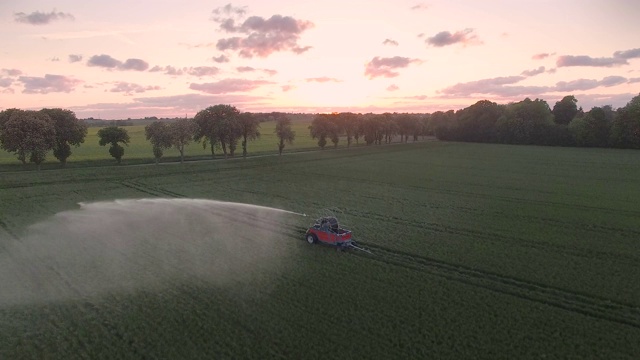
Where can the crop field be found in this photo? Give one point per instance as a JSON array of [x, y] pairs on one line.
[[478, 251], [139, 149]]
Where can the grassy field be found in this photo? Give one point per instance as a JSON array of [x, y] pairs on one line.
[[479, 251], [139, 149]]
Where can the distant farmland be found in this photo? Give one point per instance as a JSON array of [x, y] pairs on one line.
[[140, 149], [479, 251]]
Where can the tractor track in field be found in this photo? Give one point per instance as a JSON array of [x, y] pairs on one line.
[[8, 230], [596, 307], [183, 171], [493, 237], [150, 190], [478, 195]]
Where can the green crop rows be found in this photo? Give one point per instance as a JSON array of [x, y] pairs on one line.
[[479, 251]]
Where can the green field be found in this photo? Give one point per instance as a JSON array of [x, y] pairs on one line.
[[140, 150], [479, 251]]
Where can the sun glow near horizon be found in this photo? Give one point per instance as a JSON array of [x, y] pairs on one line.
[[121, 60]]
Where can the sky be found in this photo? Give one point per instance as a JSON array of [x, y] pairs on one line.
[[123, 59]]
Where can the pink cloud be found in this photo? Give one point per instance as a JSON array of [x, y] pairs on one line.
[[392, 87], [322, 79], [130, 88], [261, 37], [229, 85], [385, 67], [48, 84], [445, 38]]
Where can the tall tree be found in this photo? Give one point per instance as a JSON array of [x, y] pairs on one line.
[[565, 110], [591, 129], [477, 122], [158, 135], [215, 125], [249, 129], [284, 133], [181, 132], [525, 122], [69, 131], [114, 135], [28, 134], [625, 130], [322, 127]]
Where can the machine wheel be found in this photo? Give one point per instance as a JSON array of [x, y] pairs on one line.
[[311, 239]]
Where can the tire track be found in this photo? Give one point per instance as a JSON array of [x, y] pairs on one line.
[[494, 237], [8, 230], [588, 305], [478, 195]]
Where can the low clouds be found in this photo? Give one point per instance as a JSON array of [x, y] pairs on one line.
[[392, 87], [583, 60], [48, 84], [130, 88], [220, 59], [135, 64], [243, 69], [75, 58], [11, 72], [108, 62], [260, 37], [421, 6], [5, 82], [385, 67], [533, 72], [588, 84], [627, 54], [228, 86], [445, 38], [618, 58], [503, 86], [540, 56], [323, 79], [41, 18], [390, 42], [198, 71]]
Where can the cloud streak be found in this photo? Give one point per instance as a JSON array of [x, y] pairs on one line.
[[390, 42], [228, 86], [386, 67], [533, 72], [75, 58], [503, 86], [618, 58], [130, 88], [198, 71], [323, 79], [41, 18], [445, 38], [106, 61], [48, 84]]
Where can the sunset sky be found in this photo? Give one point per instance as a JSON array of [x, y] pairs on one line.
[[119, 59]]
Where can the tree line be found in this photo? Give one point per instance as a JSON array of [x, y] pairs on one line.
[[31, 134], [533, 122]]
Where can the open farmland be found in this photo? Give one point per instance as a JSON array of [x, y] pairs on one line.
[[139, 149], [479, 251]]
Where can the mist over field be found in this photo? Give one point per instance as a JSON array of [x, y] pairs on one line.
[[141, 244]]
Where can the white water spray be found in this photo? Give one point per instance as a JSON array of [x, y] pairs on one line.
[[125, 245]]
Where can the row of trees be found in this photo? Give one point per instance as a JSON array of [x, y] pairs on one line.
[[372, 128], [534, 122], [217, 127], [32, 134]]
